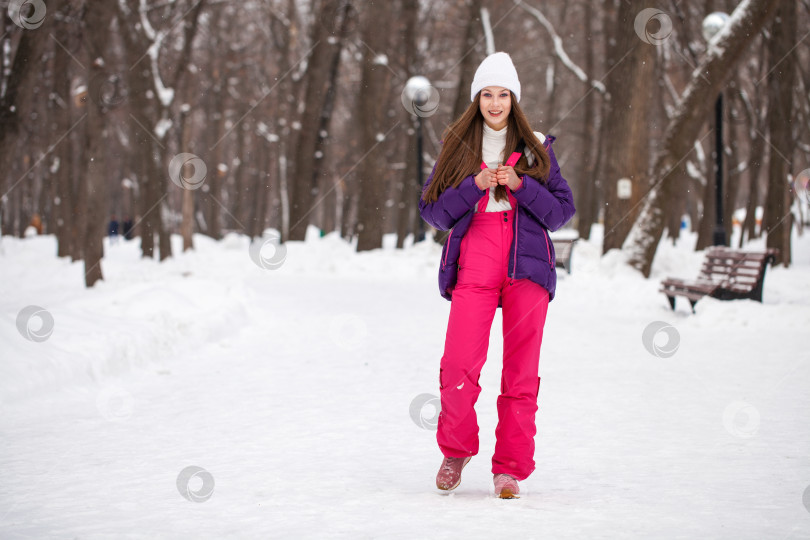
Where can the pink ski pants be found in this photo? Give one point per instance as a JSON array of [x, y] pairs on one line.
[[482, 283]]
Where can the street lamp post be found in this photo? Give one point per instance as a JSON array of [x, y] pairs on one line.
[[420, 235], [416, 96], [712, 24]]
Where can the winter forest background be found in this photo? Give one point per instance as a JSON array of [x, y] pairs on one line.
[[212, 116], [251, 365]]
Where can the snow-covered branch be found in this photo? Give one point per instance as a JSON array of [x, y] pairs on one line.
[[148, 29], [123, 7], [559, 51], [673, 93], [166, 95], [490, 38]]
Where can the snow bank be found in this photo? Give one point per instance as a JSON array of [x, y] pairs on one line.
[[142, 314], [284, 385]]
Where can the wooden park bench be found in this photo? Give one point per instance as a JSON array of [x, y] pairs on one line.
[[563, 248], [727, 274]]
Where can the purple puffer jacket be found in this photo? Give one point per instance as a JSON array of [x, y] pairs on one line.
[[540, 208]]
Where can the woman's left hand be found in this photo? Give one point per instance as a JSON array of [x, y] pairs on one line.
[[507, 177]]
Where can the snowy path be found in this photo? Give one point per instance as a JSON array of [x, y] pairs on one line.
[[298, 407]]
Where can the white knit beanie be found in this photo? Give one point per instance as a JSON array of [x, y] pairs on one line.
[[496, 70]]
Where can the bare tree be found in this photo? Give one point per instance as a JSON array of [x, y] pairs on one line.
[[707, 80], [151, 99], [375, 85], [409, 189], [66, 33], [781, 79], [627, 152], [292, 135], [587, 194], [19, 82], [327, 36], [97, 20], [470, 57]]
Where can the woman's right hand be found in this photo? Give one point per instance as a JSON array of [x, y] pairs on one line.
[[486, 179]]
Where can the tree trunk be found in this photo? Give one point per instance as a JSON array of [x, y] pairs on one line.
[[781, 78], [164, 213], [609, 13], [148, 108], [20, 80], [552, 113], [627, 150], [695, 104], [143, 116], [749, 226], [238, 165], [737, 163], [77, 171], [61, 110], [707, 216], [758, 127], [187, 225], [97, 30], [410, 187], [260, 192], [374, 84], [346, 15], [327, 44], [586, 186], [470, 57]]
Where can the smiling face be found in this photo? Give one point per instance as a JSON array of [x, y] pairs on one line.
[[495, 104]]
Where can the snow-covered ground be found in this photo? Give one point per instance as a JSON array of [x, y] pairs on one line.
[[296, 394]]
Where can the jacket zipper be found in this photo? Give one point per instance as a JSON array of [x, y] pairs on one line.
[[444, 262], [514, 260], [548, 248]]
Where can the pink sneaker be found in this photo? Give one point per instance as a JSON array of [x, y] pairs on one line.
[[506, 487], [449, 476]]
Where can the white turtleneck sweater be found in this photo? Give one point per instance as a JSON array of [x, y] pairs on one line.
[[492, 149]]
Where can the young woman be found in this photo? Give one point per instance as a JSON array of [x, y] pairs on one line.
[[498, 254]]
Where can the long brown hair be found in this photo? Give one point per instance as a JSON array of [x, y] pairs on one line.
[[461, 152]]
